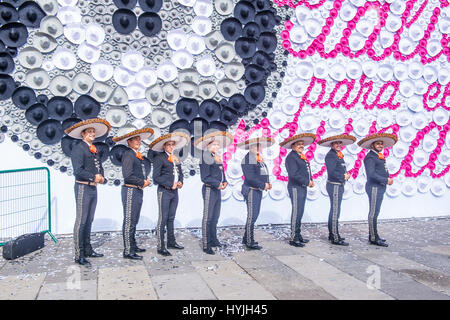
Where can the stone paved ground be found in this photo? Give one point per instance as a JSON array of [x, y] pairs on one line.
[[416, 265]]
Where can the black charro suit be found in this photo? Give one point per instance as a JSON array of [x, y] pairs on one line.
[[164, 176], [377, 178], [135, 171], [256, 176], [299, 173], [335, 188], [212, 175], [86, 165]]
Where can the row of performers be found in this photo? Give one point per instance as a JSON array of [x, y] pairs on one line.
[[167, 174]]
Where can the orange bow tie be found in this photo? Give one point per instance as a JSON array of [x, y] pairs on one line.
[[173, 158], [217, 158], [259, 158], [139, 156], [93, 148], [380, 156], [340, 155], [302, 156]]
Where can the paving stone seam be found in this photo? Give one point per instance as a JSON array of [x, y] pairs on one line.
[[332, 265], [406, 274]]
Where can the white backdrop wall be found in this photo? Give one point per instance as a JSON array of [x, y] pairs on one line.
[[190, 209]]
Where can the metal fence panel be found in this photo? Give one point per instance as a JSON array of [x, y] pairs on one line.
[[25, 205]]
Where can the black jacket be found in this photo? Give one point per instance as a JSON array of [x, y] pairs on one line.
[[134, 171], [299, 171], [85, 163], [211, 172], [163, 170], [256, 174], [335, 167], [376, 170]]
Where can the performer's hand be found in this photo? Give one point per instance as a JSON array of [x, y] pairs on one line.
[[267, 186], [103, 180], [347, 176], [390, 181], [174, 186], [179, 184], [146, 183], [98, 178], [311, 184], [224, 185]]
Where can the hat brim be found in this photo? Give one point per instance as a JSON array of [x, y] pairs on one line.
[[181, 139], [263, 142], [144, 133], [307, 139], [344, 138], [388, 139], [222, 137], [101, 127]]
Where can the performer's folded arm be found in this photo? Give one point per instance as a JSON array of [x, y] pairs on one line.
[[369, 164], [78, 167], [127, 170], [251, 177]]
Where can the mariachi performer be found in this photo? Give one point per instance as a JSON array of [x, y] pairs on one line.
[[88, 172], [377, 178], [213, 178], [337, 176], [167, 174], [135, 170], [256, 181], [300, 177]]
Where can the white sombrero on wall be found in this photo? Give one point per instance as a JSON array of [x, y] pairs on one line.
[[180, 139], [388, 139], [101, 127]]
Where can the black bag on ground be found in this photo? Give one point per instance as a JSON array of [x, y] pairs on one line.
[[23, 245]]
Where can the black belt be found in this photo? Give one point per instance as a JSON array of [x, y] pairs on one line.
[[89, 183], [132, 186]]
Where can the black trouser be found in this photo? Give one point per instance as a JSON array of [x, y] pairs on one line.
[[335, 193], [86, 201], [298, 199], [167, 202], [375, 193], [253, 200], [132, 203], [212, 198]]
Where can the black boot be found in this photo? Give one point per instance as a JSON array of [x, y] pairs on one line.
[[296, 243], [164, 252], [132, 256], [303, 240], [174, 246], [94, 254], [379, 243], [83, 261], [137, 249], [253, 246], [340, 242], [209, 251], [216, 244]]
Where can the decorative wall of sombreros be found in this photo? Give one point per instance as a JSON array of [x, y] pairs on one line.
[[257, 68]]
